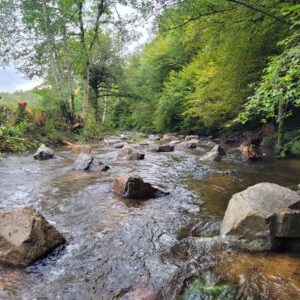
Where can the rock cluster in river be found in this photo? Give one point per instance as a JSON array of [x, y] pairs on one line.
[[131, 186], [265, 216], [26, 236]]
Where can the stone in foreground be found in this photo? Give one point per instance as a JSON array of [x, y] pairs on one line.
[[131, 186], [214, 155], [26, 236], [43, 153], [128, 153], [258, 217], [86, 162]]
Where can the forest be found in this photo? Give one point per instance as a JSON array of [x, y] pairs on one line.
[[212, 68]]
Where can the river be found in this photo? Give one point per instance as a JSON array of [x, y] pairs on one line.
[[124, 249]]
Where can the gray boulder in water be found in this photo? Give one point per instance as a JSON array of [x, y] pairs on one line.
[[132, 186], [86, 162], [163, 148], [263, 217], [214, 155], [43, 153], [25, 236], [128, 153]]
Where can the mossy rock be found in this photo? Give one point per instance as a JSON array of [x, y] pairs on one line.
[[199, 290]]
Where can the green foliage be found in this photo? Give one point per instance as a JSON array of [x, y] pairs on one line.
[[280, 84], [32, 98], [292, 142], [196, 74], [91, 131], [199, 290]]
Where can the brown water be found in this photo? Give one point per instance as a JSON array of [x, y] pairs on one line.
[[129, 250]]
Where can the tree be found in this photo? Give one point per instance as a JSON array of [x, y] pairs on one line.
[[278, 93]]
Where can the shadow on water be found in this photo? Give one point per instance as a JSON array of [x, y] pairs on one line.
[[123, 249]]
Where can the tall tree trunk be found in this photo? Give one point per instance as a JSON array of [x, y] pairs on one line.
[[281, 129], [86, 94], [104, 109], [53, 53]]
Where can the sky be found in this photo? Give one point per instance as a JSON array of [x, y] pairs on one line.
[[11, 80]]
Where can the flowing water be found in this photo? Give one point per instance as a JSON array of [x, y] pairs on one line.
[[124, 249]]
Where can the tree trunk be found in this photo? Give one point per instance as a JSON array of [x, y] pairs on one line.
[[86, 92], [281, 129], [73, 103], [104, 109]]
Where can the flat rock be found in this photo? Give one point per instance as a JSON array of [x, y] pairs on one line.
[[163, 148], [128, 153], [191, 137], [25, 236], [43, 153], [120, 145], [168, 137], [131, 186]]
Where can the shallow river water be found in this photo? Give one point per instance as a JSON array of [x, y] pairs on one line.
[[124, 249]]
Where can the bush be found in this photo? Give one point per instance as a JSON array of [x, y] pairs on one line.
[[91, 131], [292, 139]]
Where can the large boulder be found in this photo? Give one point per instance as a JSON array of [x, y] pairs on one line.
[[128, 153], [163, 148], [86, 162], [132, 186], [214, 155], [43, 153], [258, 217], [26, 236]]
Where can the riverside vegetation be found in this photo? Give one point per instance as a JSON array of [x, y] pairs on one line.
[[213, 68]]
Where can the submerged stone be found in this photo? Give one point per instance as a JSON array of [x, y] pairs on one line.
[[132, 186]]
